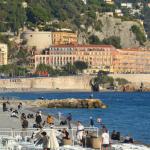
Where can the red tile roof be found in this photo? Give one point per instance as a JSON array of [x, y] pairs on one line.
[[83, 45]]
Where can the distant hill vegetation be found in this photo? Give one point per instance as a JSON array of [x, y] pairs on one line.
[[49, 15], [13, 15]]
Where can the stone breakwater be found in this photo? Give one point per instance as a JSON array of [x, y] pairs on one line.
[[77, 103], [131, 87], [62, 103]]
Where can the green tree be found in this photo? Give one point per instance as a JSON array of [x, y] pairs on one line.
[[80, 65], [93, 39], [140, 36], [102, 78], [23, 57], [121, 81], [42, 67], [16, 15], [69, 68], [12, 70], [37, 14], [113, 40]]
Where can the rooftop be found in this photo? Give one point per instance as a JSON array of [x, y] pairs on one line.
[[83, 45]]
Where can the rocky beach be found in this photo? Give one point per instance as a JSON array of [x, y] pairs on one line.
[[36, 105]]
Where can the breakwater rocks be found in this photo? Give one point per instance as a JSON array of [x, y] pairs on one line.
[[63, 103], [132, 87], [77, 103]]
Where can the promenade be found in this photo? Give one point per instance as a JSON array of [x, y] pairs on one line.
[[7, 121]]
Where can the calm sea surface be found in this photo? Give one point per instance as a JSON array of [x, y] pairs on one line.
[[128, 113]]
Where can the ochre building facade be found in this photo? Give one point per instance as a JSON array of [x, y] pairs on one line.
[[98, 57], [3, 54]]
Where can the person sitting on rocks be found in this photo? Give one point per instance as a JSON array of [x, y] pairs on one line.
[[128, 139], [50, 120], [65, 134], [14, 114], [30, 116], [118, 136], [113, 135], [63, 122]]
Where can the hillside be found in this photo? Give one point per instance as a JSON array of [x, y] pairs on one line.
[[113, 27], [49, 15]]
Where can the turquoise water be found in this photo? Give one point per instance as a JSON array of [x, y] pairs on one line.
[[128, 113]]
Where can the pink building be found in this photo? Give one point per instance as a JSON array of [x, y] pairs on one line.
[[131, 61], [97, 56]]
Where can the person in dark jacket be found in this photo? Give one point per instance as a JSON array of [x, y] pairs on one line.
[[45, 140], [91, 122], [24, 124], [4, 107], [38, 119], [69, 118]]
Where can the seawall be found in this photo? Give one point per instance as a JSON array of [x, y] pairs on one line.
[[68, 83], [47, 83], [134, 78]]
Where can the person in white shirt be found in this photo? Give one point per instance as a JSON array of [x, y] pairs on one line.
[[80, 131], [105, 140]]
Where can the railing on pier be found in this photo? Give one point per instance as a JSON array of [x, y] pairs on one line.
[[17, 133]]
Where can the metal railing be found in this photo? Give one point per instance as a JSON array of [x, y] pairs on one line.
[[19, 134]]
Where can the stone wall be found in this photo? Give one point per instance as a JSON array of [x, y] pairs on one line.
[[134, 78], [49, 83]]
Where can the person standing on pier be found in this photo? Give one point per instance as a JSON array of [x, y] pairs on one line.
[[69, 118], [4, 107], [80, 131], [91, 122], [24, 127], [38, 119], [105, 140], [45, 141]]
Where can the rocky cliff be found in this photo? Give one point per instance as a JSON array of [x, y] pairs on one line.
[[111, 26]]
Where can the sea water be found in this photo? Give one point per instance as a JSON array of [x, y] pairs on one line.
[[128, 113]]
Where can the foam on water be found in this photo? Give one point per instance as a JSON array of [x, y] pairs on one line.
[[129, 147], [114, 147]]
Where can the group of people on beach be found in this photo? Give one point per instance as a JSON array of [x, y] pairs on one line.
[[40, 122]]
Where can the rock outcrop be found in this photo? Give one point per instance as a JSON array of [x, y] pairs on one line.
[[112, 26], [77, 103], [131, 87], [63, 103]]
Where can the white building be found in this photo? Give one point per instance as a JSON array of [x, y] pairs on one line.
[[109, 1], [118, 12], [84, 1], [24, 4], [128, 5], [148, 4], [3, 54], [38, 39]]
